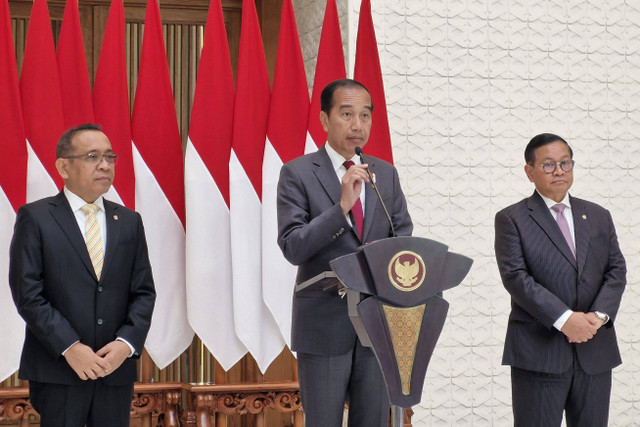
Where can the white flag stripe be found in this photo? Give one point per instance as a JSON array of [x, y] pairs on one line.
[[208, 267], [39, 182], [170, 333], [278, 275], [310, 146], [113, 195], [255, 326], [12, 325]]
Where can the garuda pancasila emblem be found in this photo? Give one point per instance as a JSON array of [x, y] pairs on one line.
[[406, 271]]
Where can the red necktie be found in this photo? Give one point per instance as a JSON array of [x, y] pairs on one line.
[[356, 210]]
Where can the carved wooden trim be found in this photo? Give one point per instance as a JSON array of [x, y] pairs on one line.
[[14, 404], [239, 399]]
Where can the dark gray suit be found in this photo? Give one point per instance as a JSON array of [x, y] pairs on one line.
[[312, 230], [56, 290], [544, 280]]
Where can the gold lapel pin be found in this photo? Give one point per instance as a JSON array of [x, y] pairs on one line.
[[115, 217], [584, 217]]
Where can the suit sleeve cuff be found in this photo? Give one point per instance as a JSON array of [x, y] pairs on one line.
[[562, 320], [133, 350]]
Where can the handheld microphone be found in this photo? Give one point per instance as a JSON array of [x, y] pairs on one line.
[[373, 185]]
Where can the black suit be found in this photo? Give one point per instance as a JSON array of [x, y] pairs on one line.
[[544, 280], [312, 230], [56, 290]]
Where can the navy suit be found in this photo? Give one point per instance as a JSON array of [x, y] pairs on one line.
[[312, 230], [544, 280], [56, 290]]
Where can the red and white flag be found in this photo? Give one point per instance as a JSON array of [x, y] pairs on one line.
[[329, 67], [158, 165], [72, 64], [286, 135], [208, 268], [111, 104], [41, 105], [13, 191], [368, 72], [254, 324]]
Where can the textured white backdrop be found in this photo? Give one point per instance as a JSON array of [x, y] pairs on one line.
[[468, 83]]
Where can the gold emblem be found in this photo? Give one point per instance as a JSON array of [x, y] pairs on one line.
[[584, 217], [407, 271], [115, 217]]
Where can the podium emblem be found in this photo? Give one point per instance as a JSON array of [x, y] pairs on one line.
[[406, 271]]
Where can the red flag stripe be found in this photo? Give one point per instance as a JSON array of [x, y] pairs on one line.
[[368, 72], [211, 125], [290, 100], [329, 67], [74, 76], [13, 180], [154, 124], [111, 100], [251, 107], [40, 90]]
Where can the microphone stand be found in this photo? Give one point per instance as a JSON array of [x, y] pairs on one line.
[[397, 413], [373, 185]]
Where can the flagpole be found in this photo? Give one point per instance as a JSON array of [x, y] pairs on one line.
[[397, 416]]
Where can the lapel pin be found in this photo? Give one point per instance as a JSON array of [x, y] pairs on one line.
[[115, 217], [584, 217]]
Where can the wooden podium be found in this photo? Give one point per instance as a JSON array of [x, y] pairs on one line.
[[394, 296]]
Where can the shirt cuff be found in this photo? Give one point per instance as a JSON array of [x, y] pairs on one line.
[[65, 352], [133, 350], [562, 320]]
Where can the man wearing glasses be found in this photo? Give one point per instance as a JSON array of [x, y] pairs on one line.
[[80, 276], [559, 259]]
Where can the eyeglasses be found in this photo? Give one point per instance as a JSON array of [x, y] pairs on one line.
[[550, 167], [95, 158]]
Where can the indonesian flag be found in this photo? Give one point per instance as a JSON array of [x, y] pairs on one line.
[[13, 190], [367, 71], [209, 276], [74, 76], [286, 135], [329, 67], [255, 326], [111, 104], [157, 161], [41, 105]]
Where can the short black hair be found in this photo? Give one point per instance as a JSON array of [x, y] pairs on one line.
[[540, 140], [64, 146], [326, 97]]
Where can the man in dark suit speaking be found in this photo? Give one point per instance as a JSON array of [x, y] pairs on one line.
[[325, 210], [81, 279], [559, 259]]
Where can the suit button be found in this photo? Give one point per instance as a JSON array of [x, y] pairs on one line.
[[99, 288], [99, 321]]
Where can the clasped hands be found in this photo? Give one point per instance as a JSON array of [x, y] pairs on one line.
[[581, 327], [90, 365]]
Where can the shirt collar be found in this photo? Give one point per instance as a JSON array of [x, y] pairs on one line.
[[76, 202], [336, 159], [551, 203]]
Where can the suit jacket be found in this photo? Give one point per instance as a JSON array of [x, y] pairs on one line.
[[56, 290], [544, 280], [312, 230]]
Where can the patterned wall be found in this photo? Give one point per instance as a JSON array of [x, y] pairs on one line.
[[468, 84]]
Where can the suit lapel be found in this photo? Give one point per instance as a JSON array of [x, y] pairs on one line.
[[62, 214], [370, 201], [323, 169], [541, 215], [581, 231], [113, 233]]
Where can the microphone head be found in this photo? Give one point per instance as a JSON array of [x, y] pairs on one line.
[[358, 151]]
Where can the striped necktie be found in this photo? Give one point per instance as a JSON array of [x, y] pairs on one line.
[[93, 237]]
